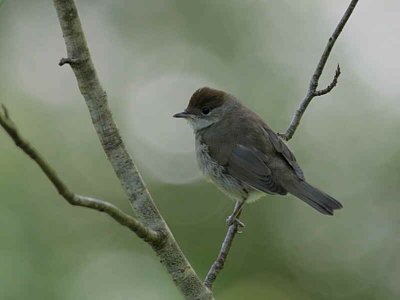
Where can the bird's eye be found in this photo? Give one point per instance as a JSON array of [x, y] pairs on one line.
[[205, 110]]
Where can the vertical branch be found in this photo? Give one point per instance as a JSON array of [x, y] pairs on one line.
[[81, 63]]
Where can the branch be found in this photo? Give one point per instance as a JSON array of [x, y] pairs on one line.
[[118, 215], [219, 263], [311, 93], [312, 89], [79, 59]]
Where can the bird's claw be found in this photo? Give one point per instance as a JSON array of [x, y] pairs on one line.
[[232, 220]]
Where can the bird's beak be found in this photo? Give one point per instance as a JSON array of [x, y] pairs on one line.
[[183, 114]]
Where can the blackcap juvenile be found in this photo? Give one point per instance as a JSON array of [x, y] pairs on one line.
[[242, 155]]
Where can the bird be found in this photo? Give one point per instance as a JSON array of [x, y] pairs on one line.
[[243, 156]]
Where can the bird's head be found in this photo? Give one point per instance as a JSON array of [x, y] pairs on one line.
[[206, 107]]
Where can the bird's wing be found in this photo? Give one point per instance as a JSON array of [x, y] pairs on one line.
[[281, 147], [250, 166]]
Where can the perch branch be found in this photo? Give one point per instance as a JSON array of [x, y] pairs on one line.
[[311, 93], [312, 88], [118, 215], [219, 263], [79, 59]]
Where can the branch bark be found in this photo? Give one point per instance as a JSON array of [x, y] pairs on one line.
[[118, 215], [312, 88], [81, 63], [312, 92]]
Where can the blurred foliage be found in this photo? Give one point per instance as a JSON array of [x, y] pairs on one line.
[[151, 56]]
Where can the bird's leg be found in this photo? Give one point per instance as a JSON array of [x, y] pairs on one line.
[[234, 217]]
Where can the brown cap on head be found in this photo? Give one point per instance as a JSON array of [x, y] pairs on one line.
[[203, 101], [207, 97]]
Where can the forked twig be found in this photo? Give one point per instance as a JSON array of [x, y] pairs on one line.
[[312, 88]]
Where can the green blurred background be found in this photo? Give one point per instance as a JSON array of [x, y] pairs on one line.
[[151, 56]]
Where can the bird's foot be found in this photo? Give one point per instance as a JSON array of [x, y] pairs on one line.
[[233, 220]]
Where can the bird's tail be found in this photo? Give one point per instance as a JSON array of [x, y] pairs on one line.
[[317, 199]]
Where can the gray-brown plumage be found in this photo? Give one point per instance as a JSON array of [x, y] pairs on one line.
[[243, 156]]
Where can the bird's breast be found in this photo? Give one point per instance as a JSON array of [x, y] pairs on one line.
[[210, 168], [217, 173]]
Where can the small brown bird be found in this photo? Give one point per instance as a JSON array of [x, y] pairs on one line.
[[243, 156]]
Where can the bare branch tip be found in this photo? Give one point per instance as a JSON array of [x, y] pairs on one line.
[[67, 60], [331, 85], [338, 71], [5, 110]]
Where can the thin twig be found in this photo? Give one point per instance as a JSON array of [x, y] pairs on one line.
[[118, 215], [331, 85], [312, 89], [219, 263]]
